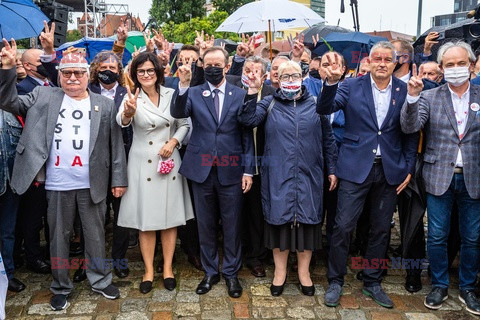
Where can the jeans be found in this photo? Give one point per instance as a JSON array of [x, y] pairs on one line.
[[439, 209], [8, 217]]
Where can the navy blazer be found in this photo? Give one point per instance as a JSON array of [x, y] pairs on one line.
[[27, 85], [226, 139], [363, 135]]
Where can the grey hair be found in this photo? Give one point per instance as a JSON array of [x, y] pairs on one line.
[[280, 58], [287, 65], [437, 67], [257, 59], [384, 45], [455, 44]]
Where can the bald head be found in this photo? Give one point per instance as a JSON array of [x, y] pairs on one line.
[[31, 61]]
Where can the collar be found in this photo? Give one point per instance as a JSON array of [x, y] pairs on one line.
[[463, 95], [40, 81], [374, 85], [222, 88], [405, 78], [102, 88]]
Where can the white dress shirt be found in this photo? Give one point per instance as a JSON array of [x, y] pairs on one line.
[[221, 95], [460, 107], [109, 93], [382, 99]]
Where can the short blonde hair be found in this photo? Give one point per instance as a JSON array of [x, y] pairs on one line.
[[287, 65]]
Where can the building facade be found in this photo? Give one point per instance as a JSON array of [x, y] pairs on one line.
[[460, 10]]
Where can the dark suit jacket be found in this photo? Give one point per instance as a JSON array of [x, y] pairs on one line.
[[27, 85], [225, 139], [363, 134], [171, 82]]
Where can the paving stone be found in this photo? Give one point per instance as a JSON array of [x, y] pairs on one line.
[[421, 316], [163, 295], [290, 289], [130, 305], [268, 313], [135, 315], [260, 290], [269, 302], [108, 306], [324, 312], [348, 301], [42, 296], [217, 314], [162, 316], [398, 303], [244, 298], [187, 309], [414, 302], [214, 303], [104, 317], [300, 301], [161, 306], [76, 318], [352, 315], [455, 315], [452, 304], [187, 296], [45, 309], [18, 299], [240, 310], [385, 316], [300, 313], [84, 307]]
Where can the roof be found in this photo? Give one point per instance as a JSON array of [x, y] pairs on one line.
[[111, 22], [391, 35]]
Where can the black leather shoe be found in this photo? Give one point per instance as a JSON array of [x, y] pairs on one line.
[[258, 271], [470, 300], [80, 275], [39, 266], [146, 286], [207, 283], [413, 283], [435, 298], [234, 287], [196, 262], [308, 291], [277, 290], [16, 285], [170, 284], [76, 248], [121, 273]]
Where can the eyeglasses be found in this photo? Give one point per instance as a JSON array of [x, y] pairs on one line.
[[68, 73], [150, 72], [294, 77]]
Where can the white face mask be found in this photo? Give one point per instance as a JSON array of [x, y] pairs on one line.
[[456, 76]]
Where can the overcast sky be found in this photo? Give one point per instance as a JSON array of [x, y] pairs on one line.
[[396, 15]]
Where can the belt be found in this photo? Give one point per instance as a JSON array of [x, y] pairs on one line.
[[377, 160], [458, 170]]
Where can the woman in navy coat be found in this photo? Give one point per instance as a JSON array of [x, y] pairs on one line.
[[299, 147]]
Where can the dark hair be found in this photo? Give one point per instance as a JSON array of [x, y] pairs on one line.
[[189, 47], [216, 48], [104, 56], [141, 59]]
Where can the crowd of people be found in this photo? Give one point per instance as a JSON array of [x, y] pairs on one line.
[[265, 151]]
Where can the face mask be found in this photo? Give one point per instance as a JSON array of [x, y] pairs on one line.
[[214, 75], [456, 76], [291, 89], [314, 74], [107, 77], [305, 66], [41, 71], [245, 81], [397, 66]]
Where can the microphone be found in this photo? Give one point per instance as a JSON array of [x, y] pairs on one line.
[[475, 13], [342, 6]]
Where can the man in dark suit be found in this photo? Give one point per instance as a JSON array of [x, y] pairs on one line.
[[255, 252], [375, 163], [213, 161]]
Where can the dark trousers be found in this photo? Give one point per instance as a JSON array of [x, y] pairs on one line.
[[213, 200], [32, 217], [253, 224], [330, 199], [121, 235], [8, 217], [352, 197]]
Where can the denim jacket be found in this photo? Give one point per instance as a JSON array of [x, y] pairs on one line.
[[9, 135]]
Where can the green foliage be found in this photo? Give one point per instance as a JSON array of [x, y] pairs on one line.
[[176, 11], [74, 35], [23, 43], [185, 32], [229, 5]]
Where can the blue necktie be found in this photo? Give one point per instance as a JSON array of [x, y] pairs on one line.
[[216, 102]]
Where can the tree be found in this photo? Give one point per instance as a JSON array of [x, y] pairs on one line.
[[176, 11], [74, 35], [185, 32], [229, 5]]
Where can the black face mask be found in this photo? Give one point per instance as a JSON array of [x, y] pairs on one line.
[[41, 71], [107, 77], [397, 66], [314, 74], [305, 66], [214, 75]]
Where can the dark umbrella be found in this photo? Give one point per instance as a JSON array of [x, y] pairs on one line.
[[20, 19], [353, 46], [230, 45], [322, 30]]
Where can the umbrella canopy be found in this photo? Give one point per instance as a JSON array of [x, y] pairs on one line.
[[20, 19], [134, 39], [322, 30], [353, 46], [92, 47], [282, 15]]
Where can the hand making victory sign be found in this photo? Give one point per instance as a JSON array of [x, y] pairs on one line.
[[47, 38], [8, 54], [184, 72], [130, 106], [415, 84], [333, 71]]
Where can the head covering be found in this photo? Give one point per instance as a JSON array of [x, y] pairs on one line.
[[73, 60]]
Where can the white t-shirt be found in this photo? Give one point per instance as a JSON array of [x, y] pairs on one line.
[[68, 163]]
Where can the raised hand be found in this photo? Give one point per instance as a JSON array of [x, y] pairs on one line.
[[255, 82], [130, 106], [316, 40], [159, 39], [334, 71], [47, 38], [244, 48], [184, 72], [430, 42], [149, 43], [298, 48], [122, 33], [9, 54], [415, 84], [199, 39], [135, 53]]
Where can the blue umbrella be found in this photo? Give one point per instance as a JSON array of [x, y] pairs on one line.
[[353, 46], [92, 47], [20, 19]]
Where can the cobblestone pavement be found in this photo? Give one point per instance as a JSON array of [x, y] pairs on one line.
[[256, 301]]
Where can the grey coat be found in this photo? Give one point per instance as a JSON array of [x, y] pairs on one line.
[[434, 113], [41, 108]]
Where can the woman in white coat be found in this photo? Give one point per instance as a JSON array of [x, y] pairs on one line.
[[154, 201]]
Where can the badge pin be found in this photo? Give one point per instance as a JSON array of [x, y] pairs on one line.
[[397, 89], [475, 107], [206, 93], [230, 93], [393, 102], [95, 108]]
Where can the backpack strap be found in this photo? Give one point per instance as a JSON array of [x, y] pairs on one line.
[[270, 107]]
